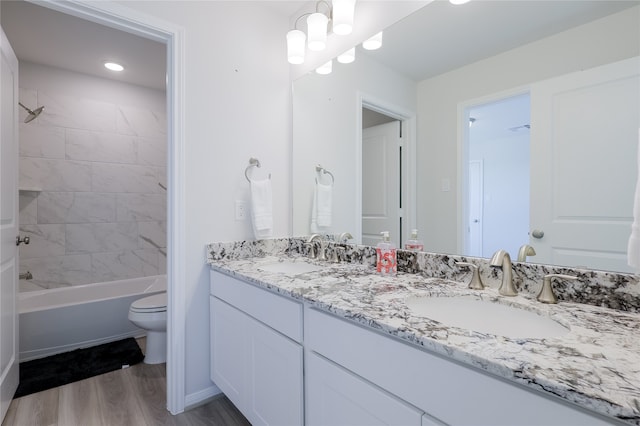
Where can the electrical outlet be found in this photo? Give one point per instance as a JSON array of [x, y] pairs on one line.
[[241, 210]]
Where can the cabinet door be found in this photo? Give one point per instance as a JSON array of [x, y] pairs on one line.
[[275, 391], [336, 396], [228, 336]]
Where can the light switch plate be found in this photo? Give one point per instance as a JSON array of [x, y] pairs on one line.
[[241, 210]]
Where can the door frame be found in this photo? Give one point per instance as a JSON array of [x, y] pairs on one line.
[[408, 174], [463, 156], [125, 19]]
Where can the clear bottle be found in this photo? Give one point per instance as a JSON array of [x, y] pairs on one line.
[[413, 244], [386, 259]]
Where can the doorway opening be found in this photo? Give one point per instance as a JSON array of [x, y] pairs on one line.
[[496, 165]]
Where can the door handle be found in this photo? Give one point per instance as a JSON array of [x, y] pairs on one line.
[[23, 240], [537, 233]]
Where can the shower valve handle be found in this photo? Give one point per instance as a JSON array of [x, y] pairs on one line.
[[23, 240]]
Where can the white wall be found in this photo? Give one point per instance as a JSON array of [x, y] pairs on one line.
[[97, 153], [325, 132], [603, 41], [237, 96]]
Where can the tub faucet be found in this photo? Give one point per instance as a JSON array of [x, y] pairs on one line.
[[525, 250], [501, 259], [25, 276]]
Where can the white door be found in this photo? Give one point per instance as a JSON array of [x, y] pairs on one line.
[[381, 182], [8, 224], [584, 141], [475, 209]]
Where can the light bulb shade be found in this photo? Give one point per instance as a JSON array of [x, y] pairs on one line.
[[374, 42], [325, 69], [296, 46], [317, 29], [343, 16], [348, 56]]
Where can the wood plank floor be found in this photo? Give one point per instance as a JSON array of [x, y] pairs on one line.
[[134, 396]]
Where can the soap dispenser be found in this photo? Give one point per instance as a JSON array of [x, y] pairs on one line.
[[413, 244], [386, 260]]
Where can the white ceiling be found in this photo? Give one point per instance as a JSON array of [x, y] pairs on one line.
[[445, 36]]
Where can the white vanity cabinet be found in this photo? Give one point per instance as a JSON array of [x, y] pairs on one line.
[[256, 351], [448, 392]]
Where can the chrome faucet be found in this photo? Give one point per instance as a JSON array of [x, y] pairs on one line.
[[525, 250], [344, 237], [501, 259], [312, 253]]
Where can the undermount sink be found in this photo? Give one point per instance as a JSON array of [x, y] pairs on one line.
[[484, 316], [289, 267]]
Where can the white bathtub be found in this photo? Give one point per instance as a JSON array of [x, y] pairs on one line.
[[64, 319]]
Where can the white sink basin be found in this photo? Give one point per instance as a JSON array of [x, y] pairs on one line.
[[289, 268], [474, 314]]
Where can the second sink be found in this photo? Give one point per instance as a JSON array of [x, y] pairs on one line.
[[471, 313]]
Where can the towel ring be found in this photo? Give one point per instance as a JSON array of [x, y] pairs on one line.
[[253, 162], [319, 169]]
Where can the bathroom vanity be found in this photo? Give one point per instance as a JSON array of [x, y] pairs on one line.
[[296, 341]]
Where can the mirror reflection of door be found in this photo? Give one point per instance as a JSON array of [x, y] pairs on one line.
[[498, 176], [381, 172]]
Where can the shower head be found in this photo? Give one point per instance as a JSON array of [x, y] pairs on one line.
[[32, 114]]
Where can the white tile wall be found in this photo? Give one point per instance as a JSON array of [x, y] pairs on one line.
[[100, 214]]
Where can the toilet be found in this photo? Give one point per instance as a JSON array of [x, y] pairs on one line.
[[150, 314]]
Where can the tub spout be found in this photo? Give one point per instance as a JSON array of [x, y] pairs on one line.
[[26, 276]]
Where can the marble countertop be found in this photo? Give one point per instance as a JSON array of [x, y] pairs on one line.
[[595, 365]]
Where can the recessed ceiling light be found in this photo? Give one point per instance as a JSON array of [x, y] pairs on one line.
[[113, 66]]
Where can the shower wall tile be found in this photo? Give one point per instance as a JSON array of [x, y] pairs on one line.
[[46, 240], [124, 178], [152, 151], [77, 113], [54, 175], [101, 237], [141, 122], [153, 235], [41, 141], [124, 264], [76, 207], [28, 207], [103, 147], [59, 271], [141, 207]]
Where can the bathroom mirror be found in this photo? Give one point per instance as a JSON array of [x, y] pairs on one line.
[[473, 54]]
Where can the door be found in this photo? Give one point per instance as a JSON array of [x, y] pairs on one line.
[[475, 209], [584, 141], [381, 183], [8, 224]]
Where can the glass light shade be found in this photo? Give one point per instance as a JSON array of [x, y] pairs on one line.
[[317, 29], [343, 16], [296, 46], [374, 42], [113, 66], [348, 56], [325, 69]]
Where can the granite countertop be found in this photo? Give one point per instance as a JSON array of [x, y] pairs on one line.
[[595, 365]]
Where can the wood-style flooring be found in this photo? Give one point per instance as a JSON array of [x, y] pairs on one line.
[[135, 396]]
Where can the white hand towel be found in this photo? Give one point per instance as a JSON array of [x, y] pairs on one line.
[[633, 248], [261, 208], [321, 210]]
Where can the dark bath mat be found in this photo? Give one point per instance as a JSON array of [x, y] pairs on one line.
[[57, 370]]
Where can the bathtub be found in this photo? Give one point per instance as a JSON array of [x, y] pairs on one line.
[[64, 319]]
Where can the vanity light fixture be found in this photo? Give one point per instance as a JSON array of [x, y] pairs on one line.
[[373, 43], [326, 68], [348, 56], [113, 66], [340, 15]]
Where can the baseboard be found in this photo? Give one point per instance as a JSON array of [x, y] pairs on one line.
[[201, 397]]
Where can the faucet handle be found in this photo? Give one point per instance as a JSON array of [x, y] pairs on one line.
[[476, 282], [338, 253], [547, 294]]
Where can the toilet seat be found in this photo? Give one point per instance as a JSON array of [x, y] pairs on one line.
[[155, 303]]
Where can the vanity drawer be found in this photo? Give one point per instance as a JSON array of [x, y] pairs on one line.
[[278, 312]]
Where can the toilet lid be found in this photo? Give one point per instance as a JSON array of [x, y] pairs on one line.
[[155, 303]]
